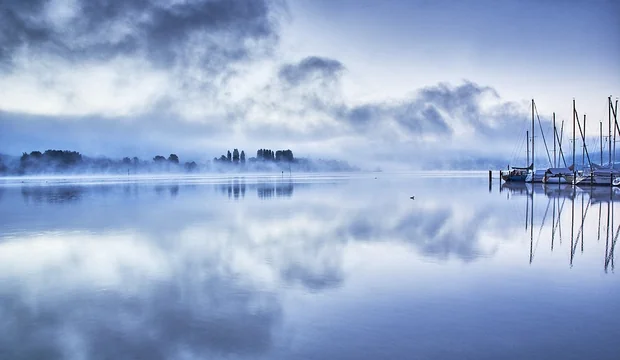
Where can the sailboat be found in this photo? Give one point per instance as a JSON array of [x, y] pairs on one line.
[[577, 176], [539, 175], [522, 174], [556, 174], [607, 175], [518, 174]]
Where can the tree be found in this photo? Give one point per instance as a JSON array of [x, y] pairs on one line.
[[242, 157], [159, 159], [235, 156], [173, 158], [190, 166], [126, 161], [229, 156], [287, 155], [136, 161]]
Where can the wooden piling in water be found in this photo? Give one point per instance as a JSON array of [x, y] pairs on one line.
[[490, 176]]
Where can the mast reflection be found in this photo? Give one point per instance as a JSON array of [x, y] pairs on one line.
[[584, 203]]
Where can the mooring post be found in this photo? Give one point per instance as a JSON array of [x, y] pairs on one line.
[[490, 175]]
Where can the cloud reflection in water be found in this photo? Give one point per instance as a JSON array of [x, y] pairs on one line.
[[117, 271]]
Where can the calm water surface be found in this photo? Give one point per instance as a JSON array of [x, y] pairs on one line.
[[316, 267]]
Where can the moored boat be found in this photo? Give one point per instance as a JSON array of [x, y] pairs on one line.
[[556, 175], [536, 176], [516, 174]]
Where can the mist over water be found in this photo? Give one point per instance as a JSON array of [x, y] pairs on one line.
[[328, 266]]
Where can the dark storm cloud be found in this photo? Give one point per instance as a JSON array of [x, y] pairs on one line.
[[215, 31], [310, 68]]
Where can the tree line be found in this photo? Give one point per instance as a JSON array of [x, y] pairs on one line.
[[66, 161], [236, 157], [52, 161]]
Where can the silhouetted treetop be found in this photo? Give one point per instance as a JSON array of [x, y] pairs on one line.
[[191, 166], [270, 155], [235, 156]]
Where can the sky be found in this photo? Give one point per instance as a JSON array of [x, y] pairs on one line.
[[396, 83]]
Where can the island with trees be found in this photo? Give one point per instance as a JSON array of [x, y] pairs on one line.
[[73, 162]]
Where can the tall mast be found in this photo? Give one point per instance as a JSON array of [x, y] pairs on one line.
[[554, 136], [561, 138], [574, 169], [533, 156], [601, 131], [560, 142], [615, 123], [609, 111], [527, 141], [583, 148]]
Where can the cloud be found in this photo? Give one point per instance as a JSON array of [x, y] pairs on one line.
[[145, 76], [309, 69], [128, 58], [211, 32], [300, 110]]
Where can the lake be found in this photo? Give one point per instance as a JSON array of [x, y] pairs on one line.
[[322, 266]]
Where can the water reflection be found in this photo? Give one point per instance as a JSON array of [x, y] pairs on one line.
[[236, 188], [172, 190], [571, 213], [124, 271], [52, 194]]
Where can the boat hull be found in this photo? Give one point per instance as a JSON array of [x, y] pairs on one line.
[[537, 176], [514, 178], [555, 180]]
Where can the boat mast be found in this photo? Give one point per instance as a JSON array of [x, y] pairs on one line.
[[583, 138], [527, 142], [615, 111], [574, 168], [554, 157], [560, 137], [609, 112], [533, 156], [601, 131], [583, 149]]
